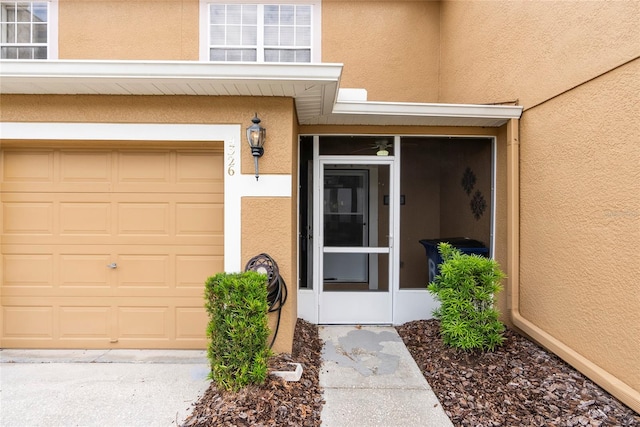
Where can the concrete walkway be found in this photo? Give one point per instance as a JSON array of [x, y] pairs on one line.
[[100, 387], [370, 379]]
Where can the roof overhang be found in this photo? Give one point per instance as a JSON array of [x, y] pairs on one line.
[[417, 114], [313, 86]]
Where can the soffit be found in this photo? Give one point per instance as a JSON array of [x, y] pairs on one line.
[[313, 86], [416, 114]]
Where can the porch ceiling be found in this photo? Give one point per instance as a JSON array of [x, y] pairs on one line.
[[313, 86]]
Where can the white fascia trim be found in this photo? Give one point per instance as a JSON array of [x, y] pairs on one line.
[[116, 131], [427, 110], [145, 70]]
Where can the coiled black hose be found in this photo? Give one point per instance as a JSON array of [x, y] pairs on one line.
[[276, 287]]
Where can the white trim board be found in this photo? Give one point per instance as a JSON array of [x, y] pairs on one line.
[[314, 86], [236, 185]]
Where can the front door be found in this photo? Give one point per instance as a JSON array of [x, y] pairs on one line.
[[355, 242]]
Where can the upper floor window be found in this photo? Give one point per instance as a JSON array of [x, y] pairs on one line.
[[25, 29], [260, 32]]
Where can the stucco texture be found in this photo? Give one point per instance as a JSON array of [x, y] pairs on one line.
[[132, 29], [267, 228], [377, 41], [277, 116], [575, 68], [497, 51], [580, 220]]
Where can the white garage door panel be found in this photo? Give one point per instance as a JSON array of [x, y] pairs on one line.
[[67, 214]]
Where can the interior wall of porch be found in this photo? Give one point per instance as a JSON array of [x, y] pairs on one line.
[[436, 203]]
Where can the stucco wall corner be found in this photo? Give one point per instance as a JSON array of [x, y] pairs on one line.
[[572, 219], [266, 228]]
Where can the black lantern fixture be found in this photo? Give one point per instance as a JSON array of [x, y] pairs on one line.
[[256, 135]]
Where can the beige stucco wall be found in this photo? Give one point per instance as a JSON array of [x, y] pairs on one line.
[[132, 29], [267, 228], [375, 40], [269, 225], [378, 41], [275, 114], [499, 51], [580, 220], [275, 230], [574, 67]]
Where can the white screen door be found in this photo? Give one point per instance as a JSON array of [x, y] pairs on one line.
[[355, 245]]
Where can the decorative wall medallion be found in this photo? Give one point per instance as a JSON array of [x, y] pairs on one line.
[[478, 205], [468, 180]]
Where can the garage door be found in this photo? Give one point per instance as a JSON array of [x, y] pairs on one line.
[[108, 248]]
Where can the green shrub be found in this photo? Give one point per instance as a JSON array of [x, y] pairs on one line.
[[465, 288], [238, 329]]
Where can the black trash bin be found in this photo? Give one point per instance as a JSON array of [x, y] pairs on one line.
[[463, 244]]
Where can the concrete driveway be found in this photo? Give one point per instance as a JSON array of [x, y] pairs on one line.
[[100, 387]]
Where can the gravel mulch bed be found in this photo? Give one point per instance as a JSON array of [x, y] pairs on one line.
[[520, 384]]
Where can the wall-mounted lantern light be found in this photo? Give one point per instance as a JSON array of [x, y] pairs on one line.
[[256, 135]]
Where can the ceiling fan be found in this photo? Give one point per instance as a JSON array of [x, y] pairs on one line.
[[380, 146]]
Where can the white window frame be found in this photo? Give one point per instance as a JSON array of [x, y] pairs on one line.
[[52, 29], [316, 25]]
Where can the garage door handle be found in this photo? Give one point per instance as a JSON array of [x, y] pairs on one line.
[[112, 265]]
